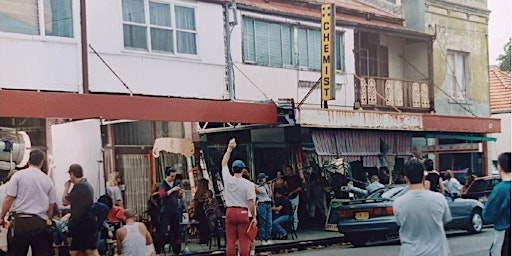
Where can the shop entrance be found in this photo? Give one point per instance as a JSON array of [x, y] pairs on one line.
[[270, 158]]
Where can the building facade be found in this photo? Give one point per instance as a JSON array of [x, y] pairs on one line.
[[106, 84]]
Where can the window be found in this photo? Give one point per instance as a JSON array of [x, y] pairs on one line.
[[373, 57], [456, 74], [272, 44], [309, 48], [267, 44], [159, 27], [23, 17]]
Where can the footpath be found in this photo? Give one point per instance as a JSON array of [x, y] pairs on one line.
[[307, 238]]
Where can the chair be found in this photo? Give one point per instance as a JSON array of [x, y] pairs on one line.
[[288, 226], [218, 232]]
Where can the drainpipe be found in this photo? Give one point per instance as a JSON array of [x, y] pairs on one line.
[[83, 36], [230, 88], [229, 62]]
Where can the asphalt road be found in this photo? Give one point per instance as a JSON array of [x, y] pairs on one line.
[[459, 241]]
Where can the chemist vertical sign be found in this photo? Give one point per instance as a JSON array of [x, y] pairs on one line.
[[328, 52]]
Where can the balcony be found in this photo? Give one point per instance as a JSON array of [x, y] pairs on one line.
[[380, 93]]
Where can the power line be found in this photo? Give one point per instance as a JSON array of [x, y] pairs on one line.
[[111, 70], [254, 84], [441, 89]]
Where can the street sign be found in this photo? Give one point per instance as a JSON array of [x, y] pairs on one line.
[[328, 24]]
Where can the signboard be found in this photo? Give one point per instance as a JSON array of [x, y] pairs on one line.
[[452, 148], [336, 118], [328, 24]]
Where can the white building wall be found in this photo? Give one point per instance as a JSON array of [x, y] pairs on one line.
[[504, 139], [417, 55], [253, 82], [198, 76], [395, 50], [41, 62]]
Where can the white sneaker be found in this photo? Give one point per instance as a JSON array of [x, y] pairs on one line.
[[264, 242], [270, 242]]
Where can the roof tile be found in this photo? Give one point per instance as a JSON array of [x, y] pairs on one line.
[[499, 90]]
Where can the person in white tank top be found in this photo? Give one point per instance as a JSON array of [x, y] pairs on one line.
[[133, 238]]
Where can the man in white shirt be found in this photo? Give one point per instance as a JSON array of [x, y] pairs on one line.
[[374, 185], [421, 215], [133, 238], [239, 196]]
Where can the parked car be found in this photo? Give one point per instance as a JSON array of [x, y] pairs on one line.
[[372, 217], [481, 188]]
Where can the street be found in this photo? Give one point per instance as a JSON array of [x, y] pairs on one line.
[[460, 244]]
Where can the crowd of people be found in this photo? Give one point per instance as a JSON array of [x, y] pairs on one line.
[[29, 205], [415, 217], [33, 223]]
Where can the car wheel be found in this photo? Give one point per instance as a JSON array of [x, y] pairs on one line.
[[358, 240], [475, 222]]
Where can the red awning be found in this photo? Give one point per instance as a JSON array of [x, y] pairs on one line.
[[32, 104], [461, 124]]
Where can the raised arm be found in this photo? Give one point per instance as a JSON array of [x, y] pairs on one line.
[[227, 155]]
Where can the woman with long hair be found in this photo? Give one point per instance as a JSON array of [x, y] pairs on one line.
[[199, 199], [113, 189], [279, 183]]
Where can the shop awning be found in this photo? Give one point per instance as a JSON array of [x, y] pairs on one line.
[[354, 144], [32, 104], [459, 137]]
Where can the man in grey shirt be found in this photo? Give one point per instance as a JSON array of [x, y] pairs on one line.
[[421, 224], [32, 197]]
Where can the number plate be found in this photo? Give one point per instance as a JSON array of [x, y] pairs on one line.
[[362, 215]]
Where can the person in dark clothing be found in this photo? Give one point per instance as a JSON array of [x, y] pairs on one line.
[[497, 209], [294, 183], [468, 180], [283, 211], [101, 208], [383, 175], [433, 180], [83, 227], [200, 215], [154, 208], [169, 192]]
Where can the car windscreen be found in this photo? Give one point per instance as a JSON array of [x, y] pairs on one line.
[[482, 185], [388, 193]]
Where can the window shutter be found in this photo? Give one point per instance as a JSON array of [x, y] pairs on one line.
[[314, 49], [274, 44], [303, 47], [248, 40], [287, 43], [19, 17], [340, 52], [262, 52]]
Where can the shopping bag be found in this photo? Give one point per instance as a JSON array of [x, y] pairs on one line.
[[252, 231]]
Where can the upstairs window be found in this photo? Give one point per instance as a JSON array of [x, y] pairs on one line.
[[23, 17], [456, 74], [273, 44], [159, 27], [309, 48], [267, 44]]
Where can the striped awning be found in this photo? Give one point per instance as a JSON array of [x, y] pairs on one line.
[[354, 144]]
